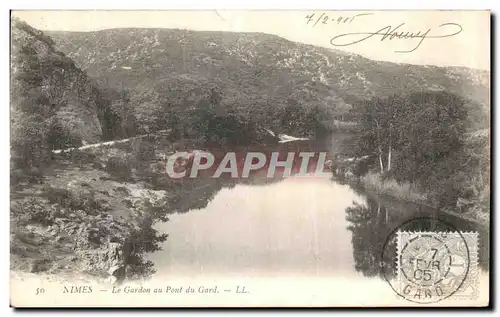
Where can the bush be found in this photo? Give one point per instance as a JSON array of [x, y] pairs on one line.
[[57, 195], [37, 210], [66, 199], [81, 157], [30, 175], [119, 167], [387, 186], [124, 146], [143, 150], [344, 126]]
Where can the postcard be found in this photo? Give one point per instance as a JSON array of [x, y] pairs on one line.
[[250, 158]]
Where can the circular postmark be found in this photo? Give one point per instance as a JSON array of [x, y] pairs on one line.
[[426, 260]]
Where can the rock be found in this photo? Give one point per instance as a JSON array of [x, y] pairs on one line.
[[59, 266], [60, 221], [119, 274], [37, 266], [112, 280], [349, 174]]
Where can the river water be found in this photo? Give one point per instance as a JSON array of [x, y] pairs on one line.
[[298, 227]]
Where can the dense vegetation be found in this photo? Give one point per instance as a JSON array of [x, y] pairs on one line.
[[261, 79], [53, 103], [427, 140]]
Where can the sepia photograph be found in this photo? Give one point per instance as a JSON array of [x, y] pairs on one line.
[[258, 158]]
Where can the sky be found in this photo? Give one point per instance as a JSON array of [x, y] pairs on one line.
[[429, 34]]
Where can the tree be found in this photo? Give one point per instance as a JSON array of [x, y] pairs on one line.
[[370, 226], [431, 130], [411, 134], [378, 123]]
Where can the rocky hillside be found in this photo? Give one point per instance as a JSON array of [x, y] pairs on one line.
[[257, 74], [85, 217], [53, 102]]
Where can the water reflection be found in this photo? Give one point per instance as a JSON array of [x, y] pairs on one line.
[[369, 226], [280, 226], [291, 226], [372, 224], [296, 226]]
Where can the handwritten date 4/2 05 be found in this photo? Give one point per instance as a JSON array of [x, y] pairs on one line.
[[324, 18]]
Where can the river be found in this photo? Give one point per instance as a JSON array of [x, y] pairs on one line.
[[298, 228]]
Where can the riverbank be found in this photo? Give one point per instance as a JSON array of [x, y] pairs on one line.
[[79, 220], [375, 184], [90, 213], [93, 210]]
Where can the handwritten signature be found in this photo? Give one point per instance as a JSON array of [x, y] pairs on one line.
[[396, 33]]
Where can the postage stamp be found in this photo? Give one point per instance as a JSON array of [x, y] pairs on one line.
[[432, 266]]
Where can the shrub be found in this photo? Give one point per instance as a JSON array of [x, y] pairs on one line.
[[387, 186], [143, 150], [37, 210], [74, 201], [30, 175], [119, 167], [57, 195], [81, 157]]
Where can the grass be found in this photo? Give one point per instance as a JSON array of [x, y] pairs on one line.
[[374, 182], [344, 125]]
